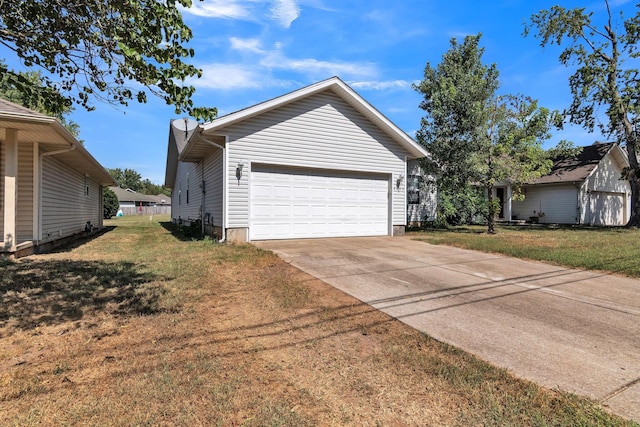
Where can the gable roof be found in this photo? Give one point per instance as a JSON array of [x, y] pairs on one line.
[[128, 195], [577, 168], [334, 84], [177, 141], [52, 137]]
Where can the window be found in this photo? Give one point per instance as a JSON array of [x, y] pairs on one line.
[[414, 183], [180, 193], [86, 185], [187, 187]]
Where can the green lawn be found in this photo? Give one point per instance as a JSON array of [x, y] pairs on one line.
[[616, 250]]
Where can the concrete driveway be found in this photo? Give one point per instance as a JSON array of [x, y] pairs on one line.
[[576, 331]]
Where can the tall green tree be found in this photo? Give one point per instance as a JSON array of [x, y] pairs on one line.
[[148, 187], [607, 75], [34, 101], [110, 203], [127, 178], [109, 50], [476, 138]]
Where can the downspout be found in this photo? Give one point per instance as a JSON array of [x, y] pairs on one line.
[[71, 147], [224, 188]]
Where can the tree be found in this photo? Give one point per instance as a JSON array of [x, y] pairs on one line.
[[148, 187], [474, 137], [34, 101], [101, 50], [110, 203], [605, 55], [126, 179]]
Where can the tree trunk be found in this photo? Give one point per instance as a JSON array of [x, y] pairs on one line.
[[491, 215], [634, 182]]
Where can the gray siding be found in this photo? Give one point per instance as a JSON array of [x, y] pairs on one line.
[[426, 209], [321, 131], [213, 182], [66, 206], [186, 201], [2, 143], [559, 203], [24, 216]]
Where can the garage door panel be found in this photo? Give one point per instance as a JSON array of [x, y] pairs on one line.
[[607, 209], [306, 203]]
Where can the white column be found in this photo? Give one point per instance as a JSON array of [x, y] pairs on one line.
[[10, 189], [37, 168], [507, 209]]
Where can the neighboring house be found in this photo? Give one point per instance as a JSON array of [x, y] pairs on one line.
[[131, 202], [317, 162], [51, 187], [582, 189], [421, 200]]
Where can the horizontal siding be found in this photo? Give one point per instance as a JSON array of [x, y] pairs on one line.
[[24, 215], [188, 178], [559, 203], [426, 209], [321, 131], [605, 197], [213, 182], [606, 177], [66, 206], [2, 150]]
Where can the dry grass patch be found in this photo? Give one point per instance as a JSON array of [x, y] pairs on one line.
[[138, 327]]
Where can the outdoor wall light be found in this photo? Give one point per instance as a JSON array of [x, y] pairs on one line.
[[239, 170]]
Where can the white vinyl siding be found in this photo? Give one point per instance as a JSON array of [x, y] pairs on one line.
[[214, 187], [605, 196], [306, 203], [24, 215], [66, 207], [607, 209], [2, 143], [186, 202], [425, 210], [322, 131], [558, 203]]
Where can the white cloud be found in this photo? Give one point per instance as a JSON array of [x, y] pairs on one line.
[[382, 85], [219, 9], [276, 60], [253, 45], [285, 12], [234, 76]]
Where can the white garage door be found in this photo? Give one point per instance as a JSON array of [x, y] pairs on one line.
[[607, 209], [291, 203]]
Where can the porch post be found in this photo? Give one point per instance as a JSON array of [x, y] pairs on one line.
[[507, 209], [10, 190]]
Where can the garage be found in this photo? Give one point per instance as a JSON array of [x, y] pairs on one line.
[[290, 203], [316, 162], [607, 208]]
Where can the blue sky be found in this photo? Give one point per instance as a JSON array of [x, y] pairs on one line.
[[254, 50]]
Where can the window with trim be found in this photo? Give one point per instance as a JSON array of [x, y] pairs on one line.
[[414, 183], [187, 187], [180, 193]]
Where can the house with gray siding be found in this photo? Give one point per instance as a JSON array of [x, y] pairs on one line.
[[583, 189], [51, 187], [317, 162], [421, 197]]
